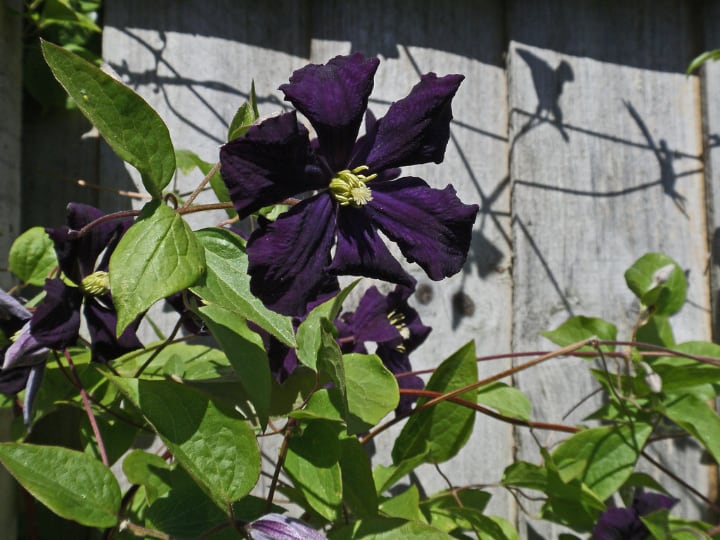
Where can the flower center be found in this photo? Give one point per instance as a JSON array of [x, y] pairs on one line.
[[350, 187], [96, 284], [398, 321]]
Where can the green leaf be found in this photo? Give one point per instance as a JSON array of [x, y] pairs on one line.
[[198, 362], [656, 331], [658, 523], [701, 59], [387, 529], [357, 480], [129, 125], [697, 418], [32, 256], [227, 283], [246, 352], [213, 444], [158, 256], [526, 475], [405, 505], [330, 361], [505, 399], [603, 458], [658, 282], [386, 477], [145, 469], [308, 334], [71, 484], [579, 328], [372, 391], [245, 116], [313, 463], [444, 428]]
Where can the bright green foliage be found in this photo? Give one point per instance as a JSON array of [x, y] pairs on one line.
[[313, 463], [358, 489], [147, 470], [195, 362], [372, 391], [213, 444], [658, 282], [32, 256], [701, 59], [445, 428], [245, 116], [579, 328], [505, 400], [308, 334], [405, 505], [129, 125], [72, 484], [388, 529], [246, 353], [174, 261], [696, 417], [227, 283]]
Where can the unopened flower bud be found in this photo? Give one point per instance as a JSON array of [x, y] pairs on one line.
[[652, 379], [661, 275]]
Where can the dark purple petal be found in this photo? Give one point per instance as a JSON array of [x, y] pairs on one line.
[[646, 503], [11, 308], [370, 320], [268, 164], [32, 388], [619, 524], [360, 251], [25, 351], [279, 527], [333, 97], [13, 381], [104, 344], [399, 362], [416, 129], [287, 258], [78, 257], [56, 322], [431, 226]]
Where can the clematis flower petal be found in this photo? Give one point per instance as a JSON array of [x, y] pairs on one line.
[[431, 226], [78, 257], [104, 344], [11, 308], [287, 257], [416, 129], [13, 381], [279, 527], [360, 251], [268, 164], [25, 351], [333, 97], [616, 523], [56, 322], [647, 502], [32, 388]]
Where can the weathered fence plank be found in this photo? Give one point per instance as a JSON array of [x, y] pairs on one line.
[[10, 129], [606, 165], [412, 38]]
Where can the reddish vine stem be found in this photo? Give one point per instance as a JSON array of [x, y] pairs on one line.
[[202, 184], [160, 349], [88, 409]]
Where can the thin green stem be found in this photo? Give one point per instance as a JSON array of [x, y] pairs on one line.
[[202, 184]]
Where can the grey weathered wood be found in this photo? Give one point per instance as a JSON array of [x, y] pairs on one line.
[[605, 156], [412, 38], [10, 129]]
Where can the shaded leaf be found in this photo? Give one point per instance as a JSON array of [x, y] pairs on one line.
[[32, 256], [129, 125]]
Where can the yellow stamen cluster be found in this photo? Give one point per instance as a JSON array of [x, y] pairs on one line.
[[398, 321], [349, 187], [96, 284]]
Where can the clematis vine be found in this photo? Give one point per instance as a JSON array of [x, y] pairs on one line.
[[354, 185], [625, 523], [84, 261]]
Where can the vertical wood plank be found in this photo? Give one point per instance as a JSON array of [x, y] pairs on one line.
[[606, 166], [411, 38], [10, 129]]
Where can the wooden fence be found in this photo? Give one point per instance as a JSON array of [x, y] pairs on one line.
[[576, 131]]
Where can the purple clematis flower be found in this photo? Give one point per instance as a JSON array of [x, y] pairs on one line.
[[279, 527], [625, 523], [23, 359], [358, 192], [84, 261], [394, 326]]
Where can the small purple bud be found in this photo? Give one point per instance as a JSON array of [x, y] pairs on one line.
[[279, 527], [25, 351]]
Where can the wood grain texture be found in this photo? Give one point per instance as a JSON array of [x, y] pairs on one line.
[[606, 165], [10, 129]]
